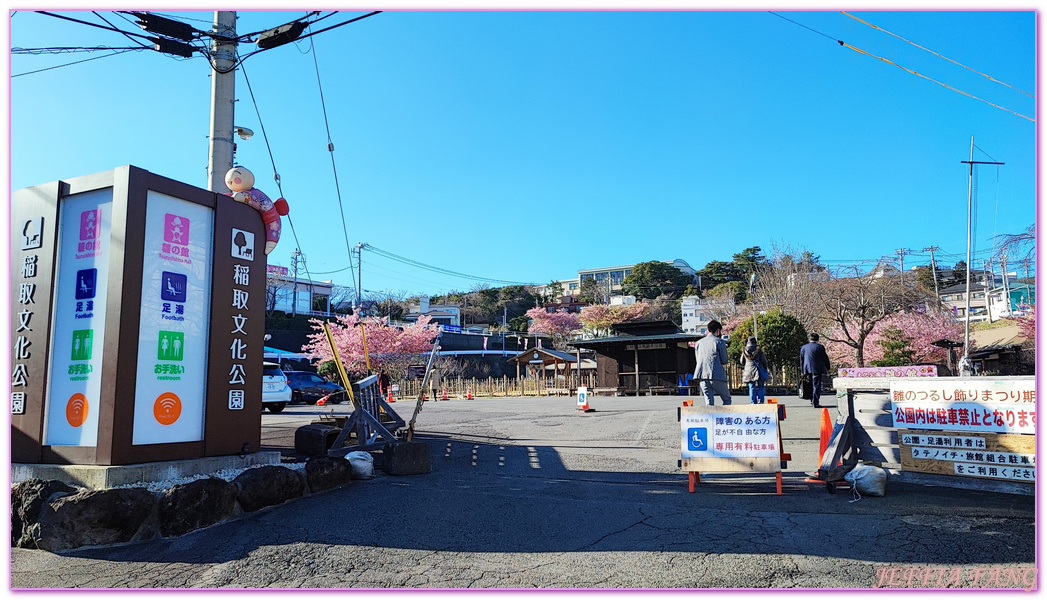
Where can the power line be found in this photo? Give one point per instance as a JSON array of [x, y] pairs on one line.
[[947, 86], [804, 26], [334, 167], [78, 62], [340, 24], [435, 269], [95, 13], [938, 55]]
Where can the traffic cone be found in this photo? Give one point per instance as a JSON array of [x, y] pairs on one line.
[[444, 397], [322, 401], [424, 399], [468, 394], [827, 431], [390, 398]]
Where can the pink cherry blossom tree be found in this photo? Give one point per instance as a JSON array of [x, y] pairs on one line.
[[386, 345], [921, 328], [559, 325]]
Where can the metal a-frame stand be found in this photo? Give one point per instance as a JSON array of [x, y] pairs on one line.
[[371, 432]]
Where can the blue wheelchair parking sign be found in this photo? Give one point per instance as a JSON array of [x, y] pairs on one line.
[[698, 439]]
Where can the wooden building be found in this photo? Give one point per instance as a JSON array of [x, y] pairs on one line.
[[650, 357]]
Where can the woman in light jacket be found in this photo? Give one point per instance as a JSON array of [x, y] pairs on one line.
[[753, 355]]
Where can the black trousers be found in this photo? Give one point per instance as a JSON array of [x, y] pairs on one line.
[[816, 388]]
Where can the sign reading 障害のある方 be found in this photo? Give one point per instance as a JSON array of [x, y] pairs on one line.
[[721, 438], [75, 374], [173, 331]]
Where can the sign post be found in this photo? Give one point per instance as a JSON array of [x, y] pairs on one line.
[[730, 439], [138, 321]]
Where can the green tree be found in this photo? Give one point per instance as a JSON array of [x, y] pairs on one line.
[[750, 261], [654, 278], [716, 272], [897, 349], [519, 324], [734, 290], [780, 335], [925, 276], [959, 272], [590, 292], [554, 291]]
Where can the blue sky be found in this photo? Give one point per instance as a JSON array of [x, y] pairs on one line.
[[523, 146]]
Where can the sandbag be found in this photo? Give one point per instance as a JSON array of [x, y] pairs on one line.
[[868, 480], [362, 464]]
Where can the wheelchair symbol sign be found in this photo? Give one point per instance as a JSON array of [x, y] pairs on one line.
[[698, 439]]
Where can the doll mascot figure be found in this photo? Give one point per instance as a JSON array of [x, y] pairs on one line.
[[241, 182]]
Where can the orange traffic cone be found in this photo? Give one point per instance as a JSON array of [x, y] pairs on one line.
[[322, 401], [424, 399], [444, 397], [468, 394], [827, 431], [390, 398]]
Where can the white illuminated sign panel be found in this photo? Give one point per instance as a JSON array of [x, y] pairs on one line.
[[75, 378], [173, 331]]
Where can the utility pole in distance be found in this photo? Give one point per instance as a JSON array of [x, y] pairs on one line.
[[223, 99], [934, 270], [901, 252]]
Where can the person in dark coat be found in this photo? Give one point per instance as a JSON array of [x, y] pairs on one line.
[[752, 356], [814, 362]]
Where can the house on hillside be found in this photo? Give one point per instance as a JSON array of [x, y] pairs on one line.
[[1013, 300], [442, 314], [608, 279], [954, 299]]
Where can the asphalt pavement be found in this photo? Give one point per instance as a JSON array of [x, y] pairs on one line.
[[528, 493]]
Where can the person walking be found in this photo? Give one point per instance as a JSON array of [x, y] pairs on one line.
[[814, 362], [711, 355], [755, 371]]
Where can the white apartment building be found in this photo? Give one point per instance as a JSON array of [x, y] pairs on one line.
[[609, 278], [696, 313]]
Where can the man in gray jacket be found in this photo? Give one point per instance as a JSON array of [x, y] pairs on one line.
[[711, 354]]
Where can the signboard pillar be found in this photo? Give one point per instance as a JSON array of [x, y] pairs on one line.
[[138, 321]]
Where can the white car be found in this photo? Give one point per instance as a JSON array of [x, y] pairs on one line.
[[276, 394]]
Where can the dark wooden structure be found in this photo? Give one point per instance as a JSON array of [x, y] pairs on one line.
[[225, 414], [649, 357]]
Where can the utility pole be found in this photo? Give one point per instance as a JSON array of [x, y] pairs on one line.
[[934, 271], [294, 295], [965, 362], [988, 288], [223, 99], [1006, 287], [360, 274], [901, 252]]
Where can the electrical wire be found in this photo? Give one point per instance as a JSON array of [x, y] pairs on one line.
[[860, 51], [945, 85], [89, 24], [95, 13], [276, 174], [334, 167], [371, 14], [435, 269], [989, 77], [77, 62], [69, 49]]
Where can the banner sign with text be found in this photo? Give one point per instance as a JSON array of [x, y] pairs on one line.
[[908, 371], [965, 405]]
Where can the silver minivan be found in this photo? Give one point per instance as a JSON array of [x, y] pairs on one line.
[[276, 394]]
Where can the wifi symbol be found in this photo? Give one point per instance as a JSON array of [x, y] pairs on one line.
[[167, 408], [76, 410]]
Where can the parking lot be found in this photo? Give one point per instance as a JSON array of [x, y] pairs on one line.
[[529, 493]]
